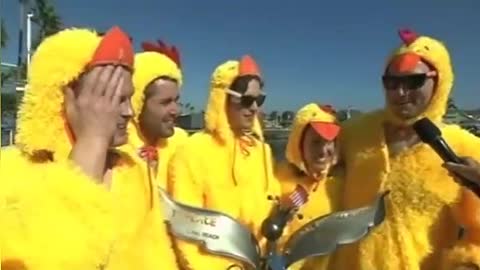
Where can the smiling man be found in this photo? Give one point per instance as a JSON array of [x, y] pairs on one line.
[[382, 152], [71, 199], [157, 80]]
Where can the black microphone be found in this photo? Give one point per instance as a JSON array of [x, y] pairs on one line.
[[431, 135]]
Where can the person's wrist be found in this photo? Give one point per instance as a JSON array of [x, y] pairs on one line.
[[93, 142]]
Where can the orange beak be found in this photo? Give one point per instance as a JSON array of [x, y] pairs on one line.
[[328, 131]]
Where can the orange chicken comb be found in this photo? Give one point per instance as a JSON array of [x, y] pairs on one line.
[[114, 48], [248, 66]]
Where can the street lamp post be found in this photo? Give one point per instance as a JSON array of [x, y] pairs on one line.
[[29, 37]]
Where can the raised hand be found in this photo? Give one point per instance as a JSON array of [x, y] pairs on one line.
[[470, 169], [93, 110], [93, 106]]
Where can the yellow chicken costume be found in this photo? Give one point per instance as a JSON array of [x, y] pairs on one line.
[[215, 169], [53, 216], [323, 193], [419, 229], [156, 61]]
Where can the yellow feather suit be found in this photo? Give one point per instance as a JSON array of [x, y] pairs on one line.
[[149, 66], [323, 194], [213, 170], [419, 229], [55, 217]]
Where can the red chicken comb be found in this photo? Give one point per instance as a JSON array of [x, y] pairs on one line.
[[248, 66], [161, 47], [114, 48], [408, 36]]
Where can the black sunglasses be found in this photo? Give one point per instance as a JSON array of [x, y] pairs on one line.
[[247, 100], [408, 82]]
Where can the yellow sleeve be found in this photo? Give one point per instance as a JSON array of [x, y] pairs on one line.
[[467, 250], [53, 216], [153, 247], [186, 185]]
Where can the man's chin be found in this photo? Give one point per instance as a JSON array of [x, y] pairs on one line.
[[119, 140], [167, 133]]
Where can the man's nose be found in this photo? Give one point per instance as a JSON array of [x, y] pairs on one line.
[[175, 109], [254, 107], [401, 91], [127, 110]]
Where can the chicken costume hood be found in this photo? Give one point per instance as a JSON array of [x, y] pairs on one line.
[[419, 231], [322, 192], [217, 170], [422, 48], [157, 60], [54, 216]]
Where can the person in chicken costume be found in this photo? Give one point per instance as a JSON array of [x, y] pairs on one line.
[[310, 179], [153, 135], [227, 167], [70, 198], [382, 152]]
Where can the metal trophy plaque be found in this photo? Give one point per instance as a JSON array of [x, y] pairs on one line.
[[217, 232], [321, 236], [222, 235]]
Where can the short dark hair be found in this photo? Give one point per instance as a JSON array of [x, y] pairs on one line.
[[240, 83]]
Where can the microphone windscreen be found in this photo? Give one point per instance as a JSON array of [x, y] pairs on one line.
[[426, 130]]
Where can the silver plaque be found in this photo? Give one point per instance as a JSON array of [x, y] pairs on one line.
[[222, 235], [322, 235], [217, 232]]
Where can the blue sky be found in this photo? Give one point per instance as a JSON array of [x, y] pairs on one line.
[[322, 51]]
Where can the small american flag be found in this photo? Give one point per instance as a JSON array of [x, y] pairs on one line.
[[298, 197]]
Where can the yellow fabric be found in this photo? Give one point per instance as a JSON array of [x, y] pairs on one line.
[[324, 198], [52, 68], [211, 171], [148, 67], [165, 147], [419, 226], [46, 226], [322, 201], [463, 253], [54, 216]]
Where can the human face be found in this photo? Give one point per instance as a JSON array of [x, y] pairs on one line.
[[160, 110], [242, 109], [125, 112], [319, 154], [408, 93]]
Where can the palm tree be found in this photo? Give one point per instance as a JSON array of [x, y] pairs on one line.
[[5, 76], [3, 34], [48, 22], [47, 19]]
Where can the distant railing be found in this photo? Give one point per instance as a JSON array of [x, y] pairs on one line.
[[464, 114]]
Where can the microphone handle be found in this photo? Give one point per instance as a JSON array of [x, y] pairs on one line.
[[444, 151], [447, 154]]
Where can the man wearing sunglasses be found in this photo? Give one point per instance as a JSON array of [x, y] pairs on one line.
[[226, 167], [382, 152]]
